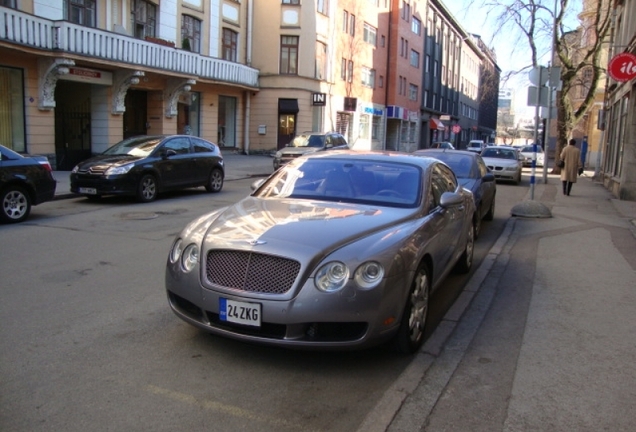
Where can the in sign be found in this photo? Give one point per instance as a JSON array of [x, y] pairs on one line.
[[319, 99]]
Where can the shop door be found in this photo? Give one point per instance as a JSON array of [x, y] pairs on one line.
[[135, 116], [286, 129], [72, 124]]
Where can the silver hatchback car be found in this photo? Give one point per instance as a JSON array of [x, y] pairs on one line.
[[333, 250]]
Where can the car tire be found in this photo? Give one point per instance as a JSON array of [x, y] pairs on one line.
[[147, 188], [491, 211], [410, 335], [16, 204], [466, 259], [215, 181], [518, 179]]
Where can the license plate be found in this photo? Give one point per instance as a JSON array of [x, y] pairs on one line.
[[240, 312], [90, 191]]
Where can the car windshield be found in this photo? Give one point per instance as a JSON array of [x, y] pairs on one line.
[[346, 180], [308, 141], [459, 163], [136, 146], [474, 144], [499, 153]]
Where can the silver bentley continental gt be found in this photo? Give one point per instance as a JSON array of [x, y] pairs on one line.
[[334, 250]]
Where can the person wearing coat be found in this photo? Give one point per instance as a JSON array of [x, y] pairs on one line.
[[573, 166]]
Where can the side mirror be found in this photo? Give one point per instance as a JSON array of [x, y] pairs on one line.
[[256, 184], [489, 177], [450, 199]]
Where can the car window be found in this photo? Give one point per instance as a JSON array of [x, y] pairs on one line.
[[135, 146], [181, 145], [483, 169], [201, 146], [442, 180]]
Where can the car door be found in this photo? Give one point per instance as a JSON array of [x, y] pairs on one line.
[[203, 159], [487, 188], [174, 162], [447, 221]]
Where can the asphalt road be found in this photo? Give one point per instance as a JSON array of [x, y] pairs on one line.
[[88, 341]]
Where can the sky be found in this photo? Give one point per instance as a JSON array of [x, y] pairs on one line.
[[510, 47]]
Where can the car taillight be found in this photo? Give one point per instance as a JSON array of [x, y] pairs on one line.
[[46, 165]]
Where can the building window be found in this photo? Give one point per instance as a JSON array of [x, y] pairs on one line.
[[370, 34], [352, 25], [381, 81], [416, 26], [291, 2], [322, 6], [435, 68], [350, 71], [321, 61], [343, 68], [12, 124], [80, 12], [412, 92], [368, 77], [364, 127], [8, 3], [406, 10], [144, 18], [190, 33], [383, 41], [228, 47], [415, 59], [345, 21], [289, 55]]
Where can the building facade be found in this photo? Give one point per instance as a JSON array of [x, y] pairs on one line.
[[77, 76], [619, 145]]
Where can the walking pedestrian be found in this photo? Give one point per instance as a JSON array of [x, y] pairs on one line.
[[573, 166]]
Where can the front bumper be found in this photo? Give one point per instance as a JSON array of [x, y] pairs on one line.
[[104, 185]]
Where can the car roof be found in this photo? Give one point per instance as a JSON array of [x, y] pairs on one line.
[[370, 155], [461, 152]]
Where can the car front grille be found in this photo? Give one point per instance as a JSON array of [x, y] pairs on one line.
[[495, 168], [252, 272], [94, 170]]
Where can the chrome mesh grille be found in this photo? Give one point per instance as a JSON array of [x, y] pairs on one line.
[[249, 271]]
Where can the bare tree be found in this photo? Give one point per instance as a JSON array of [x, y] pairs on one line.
[[545, 27]]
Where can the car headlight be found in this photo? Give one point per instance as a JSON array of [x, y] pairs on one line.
[[189, 257], [369, 274], [75, 169], [175, 252], [278, 155], [118, 169], [512, 168], [332, 276]]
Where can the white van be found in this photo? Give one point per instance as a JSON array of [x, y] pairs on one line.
[[476, 146]]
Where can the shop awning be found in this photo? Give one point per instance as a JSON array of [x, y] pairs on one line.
[[288, 106], [436, 124]]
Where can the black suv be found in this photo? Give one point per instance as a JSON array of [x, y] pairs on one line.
[[309, 142]]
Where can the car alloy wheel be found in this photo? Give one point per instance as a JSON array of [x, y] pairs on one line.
[[410, 335], [16, 204], [147, 189], [215, 182]]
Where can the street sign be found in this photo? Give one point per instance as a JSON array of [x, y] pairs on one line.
[[539, 76], [536, 98], [622, 67]]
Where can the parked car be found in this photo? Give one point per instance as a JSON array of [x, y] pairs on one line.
[[442, 145], [476, 146], [25, 181], [333, 250], [144, 166], [309, 142], [504, 162], [473, 174], [528, 151]]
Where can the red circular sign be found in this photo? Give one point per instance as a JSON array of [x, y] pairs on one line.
[[622, 67]]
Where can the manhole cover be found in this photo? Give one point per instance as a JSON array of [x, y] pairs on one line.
[[139, 215]]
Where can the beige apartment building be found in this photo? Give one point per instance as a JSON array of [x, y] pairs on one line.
[[77, 76]]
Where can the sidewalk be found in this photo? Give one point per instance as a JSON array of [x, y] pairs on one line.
[[543, 336], [237, 166]]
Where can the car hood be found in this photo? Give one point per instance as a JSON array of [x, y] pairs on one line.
[[500, 162], [299, 150], [107, 160], [467, 183], [301, 229]]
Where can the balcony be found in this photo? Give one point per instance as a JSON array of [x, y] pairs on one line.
[[67, 38]]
